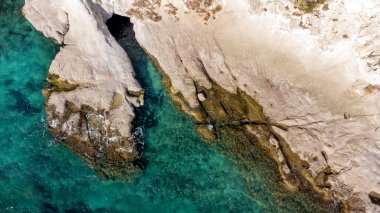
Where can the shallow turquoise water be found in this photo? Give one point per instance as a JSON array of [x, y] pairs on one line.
[[39, 175]]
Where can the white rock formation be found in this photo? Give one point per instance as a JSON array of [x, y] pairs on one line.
[[318, 73], [89, 57]]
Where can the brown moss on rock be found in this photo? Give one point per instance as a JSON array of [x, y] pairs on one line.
[[207, 132], [117, 101], [372, 89], [218, 8], [70, 106], [231, 114], [111, 154], [322, 177], [308, 6], [145, 9], [57, 84], [224, 107]]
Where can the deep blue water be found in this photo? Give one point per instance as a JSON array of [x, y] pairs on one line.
[[183, 174]]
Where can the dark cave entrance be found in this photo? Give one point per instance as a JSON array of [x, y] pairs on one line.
[[118, 25]]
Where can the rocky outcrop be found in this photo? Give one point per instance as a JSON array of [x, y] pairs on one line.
[[91, 90], [312, 66]]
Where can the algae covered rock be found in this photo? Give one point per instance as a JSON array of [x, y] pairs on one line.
[[88, 108], [88, 133], [117, 101], [57, 84]]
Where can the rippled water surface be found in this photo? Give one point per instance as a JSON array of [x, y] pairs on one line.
[[39, 175]]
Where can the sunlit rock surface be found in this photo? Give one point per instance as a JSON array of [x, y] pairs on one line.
[[315, 71], [88, 104]]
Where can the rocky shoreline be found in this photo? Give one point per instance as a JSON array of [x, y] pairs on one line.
[[314, 108], [328, 121], [239, 128], [237, 125], [91, 92]]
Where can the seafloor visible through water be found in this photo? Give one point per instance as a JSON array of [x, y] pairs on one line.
[[183, 174]]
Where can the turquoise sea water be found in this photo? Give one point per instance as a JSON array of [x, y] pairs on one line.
[[39, 175]]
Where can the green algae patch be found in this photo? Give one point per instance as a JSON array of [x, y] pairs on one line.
[[236, 124], [229, 108], [218, 8], [117, 101], [308, 6], [58, 84], [238, 121]]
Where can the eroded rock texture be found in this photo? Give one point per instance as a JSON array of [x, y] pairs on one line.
[[313, 67], [91, 89]]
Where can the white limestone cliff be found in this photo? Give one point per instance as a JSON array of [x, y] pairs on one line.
[[318, 73], [91, 59]]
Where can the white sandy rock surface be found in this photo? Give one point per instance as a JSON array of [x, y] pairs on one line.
[[318, 73], [89, 57]]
